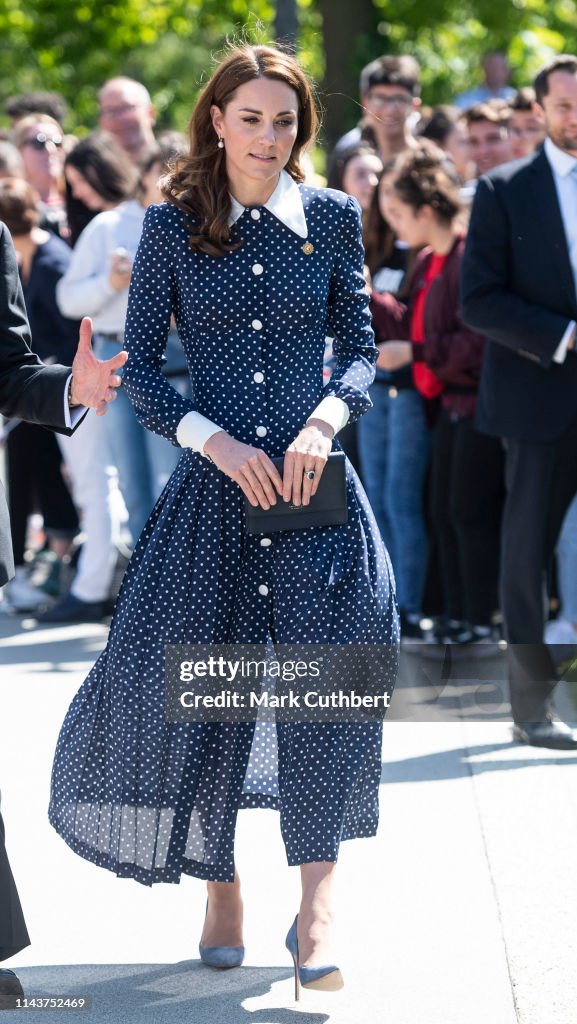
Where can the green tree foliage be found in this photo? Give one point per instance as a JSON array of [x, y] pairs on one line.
[[73, 45]]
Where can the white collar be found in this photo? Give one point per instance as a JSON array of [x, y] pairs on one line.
[[561, 162], [285, 204]]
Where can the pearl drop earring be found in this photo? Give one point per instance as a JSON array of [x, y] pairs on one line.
[[220, 143]]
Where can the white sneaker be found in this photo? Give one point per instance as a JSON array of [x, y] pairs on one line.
[[559, 631], [21, 595]]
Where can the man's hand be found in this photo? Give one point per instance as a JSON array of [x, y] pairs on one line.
[[94, 382]]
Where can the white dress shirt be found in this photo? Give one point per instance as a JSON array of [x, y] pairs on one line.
[[563, 165]]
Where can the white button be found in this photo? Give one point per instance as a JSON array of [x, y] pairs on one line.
[[261, 431], [258, 377], [257, 324], [265, 541], [257, 268], [255, 214], [263, 589]]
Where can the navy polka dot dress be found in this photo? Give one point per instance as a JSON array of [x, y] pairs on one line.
[[152, 800]]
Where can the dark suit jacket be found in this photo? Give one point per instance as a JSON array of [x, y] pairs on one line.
[[517, 287], [28, 388]]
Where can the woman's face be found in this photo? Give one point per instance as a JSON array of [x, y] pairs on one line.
[[361, 177], [458, 147], [43, 157], [385, 192], [82, 189], [259, 129], [412, 226]]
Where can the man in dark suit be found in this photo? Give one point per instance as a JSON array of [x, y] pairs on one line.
[[519, 288], [57, 397]]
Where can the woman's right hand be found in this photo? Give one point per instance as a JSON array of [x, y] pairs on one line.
[[251, 468]]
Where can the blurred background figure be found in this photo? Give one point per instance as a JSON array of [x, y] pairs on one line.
[[40, 141], [488, 129], [496, 74], [393, 436], [34, 462], [390, 97], [50, 103], [126, 111], [562, 631], [99, 176], [526, 125], [446, 127], [97, 283], [356, 171], [11, 163], [446, 356]]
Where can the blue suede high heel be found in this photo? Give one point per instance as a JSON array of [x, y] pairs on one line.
[[221, 956], [326, 977]]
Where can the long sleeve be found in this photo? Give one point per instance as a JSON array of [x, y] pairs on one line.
[[349, 320], [27, 388], [157, 404], [489, 303]]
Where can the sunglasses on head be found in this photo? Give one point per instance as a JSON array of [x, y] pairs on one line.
[[41, 141]]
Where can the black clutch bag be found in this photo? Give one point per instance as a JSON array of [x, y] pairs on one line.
[[328, 507]]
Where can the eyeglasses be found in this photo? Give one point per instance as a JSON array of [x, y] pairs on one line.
[[42, 141], [520, 133], [378, 99], [117, 111]]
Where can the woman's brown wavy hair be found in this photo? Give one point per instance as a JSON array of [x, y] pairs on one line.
[[199, 184]]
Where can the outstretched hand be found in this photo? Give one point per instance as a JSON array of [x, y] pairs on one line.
[[94, 382]]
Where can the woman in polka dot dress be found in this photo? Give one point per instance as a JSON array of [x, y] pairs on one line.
[[257, 269]]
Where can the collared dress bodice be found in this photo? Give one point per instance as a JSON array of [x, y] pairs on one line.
[[262, 311], [151, 799]]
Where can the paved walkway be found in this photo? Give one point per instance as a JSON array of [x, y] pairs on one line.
[[463, 910]]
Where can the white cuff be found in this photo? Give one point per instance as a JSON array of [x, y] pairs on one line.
[[71, 416], [194, 430], [561, 350], [333, 411]]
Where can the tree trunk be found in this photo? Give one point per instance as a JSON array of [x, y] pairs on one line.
[[286, 23], [343, 22]]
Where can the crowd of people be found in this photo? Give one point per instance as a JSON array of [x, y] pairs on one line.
[[436, 483]]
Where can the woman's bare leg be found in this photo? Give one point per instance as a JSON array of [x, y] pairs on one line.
[[223, 924], [315, 919]]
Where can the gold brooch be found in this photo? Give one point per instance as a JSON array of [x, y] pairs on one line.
[[307, 248]]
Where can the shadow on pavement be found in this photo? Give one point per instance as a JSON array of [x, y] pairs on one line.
[[182, 993], [457, 763]]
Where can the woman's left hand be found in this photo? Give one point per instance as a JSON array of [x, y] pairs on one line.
[[394, 354], [309, 451]]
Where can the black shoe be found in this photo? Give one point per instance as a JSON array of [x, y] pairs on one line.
[[556, 735], [410, 629], [10, 989], [72, 609]]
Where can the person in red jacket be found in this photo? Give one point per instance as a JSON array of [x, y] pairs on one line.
[[467, 485]]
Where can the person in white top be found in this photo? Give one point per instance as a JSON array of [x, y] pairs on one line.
[[97, 282], [99, 175]]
